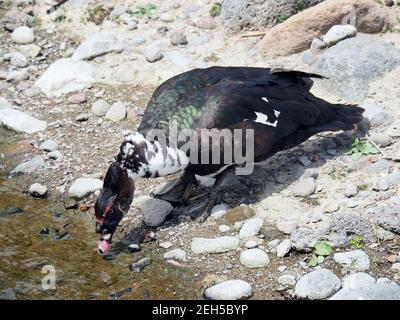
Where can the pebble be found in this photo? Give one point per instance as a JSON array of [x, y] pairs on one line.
[[396, 267], [82, 117], [153, 53], [55, 155], [167, 17], [18, 75], [229, 290], [383, 289], [7, 294], [117, 112], [216, 245], [286, 227], [305, 161], [383, 184], [133, 247], [287, 280], [224, 228], [138, 40], [18, 60], [155, 211], [251, 228], [381, 139], [317, 45], [177, 254], [48, 146], [351, 190], [206, 23], [166, 245], [283, 248], [77, 98], [304, 187], [28, 166], [338, 33], [82, 187], [250, 244], [140, 265], [318, 284], [23, 35], [356, 260], [37, 190], [100, 108], [358, 280], [178, 38], [254, 258], [219, 210]]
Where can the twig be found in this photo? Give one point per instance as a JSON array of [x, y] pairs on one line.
[[375, 145], [254, 34]]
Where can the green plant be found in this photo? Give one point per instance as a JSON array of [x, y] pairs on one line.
[[215, 9], [322, 249], [300, 6], [356, 242], [361, 148], [7, 4], [282, 18], [398, 3], [145, 10]]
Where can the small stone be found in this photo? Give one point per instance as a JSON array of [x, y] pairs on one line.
[[356, 260], [283, 248], [351, 190], [7, 294], [153, 53], [224, 228], [376, 115], [55, 155], [304, 187], [282, 268], [229, 290], [28, 166], [82, 117], [383, 289], [18, 75], [286, 227], [216, 245], [133, 247], [138, 40], [37, 190], [358, 280], [166, 245], [331, 207], [318, 284], [396, 267], [167, 17], [48, 146], [117, 112], [140, 265], [338, 33], [206, 23], [18, 60], [310, 173], [389, 3], [392, 258], [178, 38], [254, 258], [77, 98], [155, 211], [22, 35], [287, 280], [381, 139], [317, 45], [100, 108], [97, 44], [250, 244], [251, 228], [82, 187], [305, 161], [177, 254], [383, 184]]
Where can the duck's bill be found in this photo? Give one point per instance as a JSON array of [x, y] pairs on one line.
[[104, 243]]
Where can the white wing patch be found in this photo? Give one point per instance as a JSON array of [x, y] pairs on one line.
[[263, 118], [265, 99]]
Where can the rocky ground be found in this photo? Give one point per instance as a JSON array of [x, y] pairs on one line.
[[313, 222]]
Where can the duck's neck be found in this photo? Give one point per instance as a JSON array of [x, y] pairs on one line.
[[150, 159]]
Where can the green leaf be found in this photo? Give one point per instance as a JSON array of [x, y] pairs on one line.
[[323, 248], [357, 156], [315, 260]]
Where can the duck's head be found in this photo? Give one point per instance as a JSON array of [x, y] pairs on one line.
[[113, 203]]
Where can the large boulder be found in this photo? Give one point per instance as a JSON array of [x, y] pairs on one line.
[[296, 34], [237, 15], [65, 76], [353, 63]]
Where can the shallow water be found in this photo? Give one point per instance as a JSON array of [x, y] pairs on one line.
[[81, 273]]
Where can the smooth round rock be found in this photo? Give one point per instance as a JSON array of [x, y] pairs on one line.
[[318, 284], [254, 258], [229, 290], [23, 35], [37, 190]]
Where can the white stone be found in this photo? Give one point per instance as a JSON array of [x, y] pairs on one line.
[[48, 145], [100, 108], [117, 112], [55, 155], [351, 190], [18, 60], [224, 228], [358, 280], [251, 228], [318, 284], [356, 260], [395, 267], [20, 121], [82, 187], [97, 44], [286, 227], [283, 248], [177, 254], [219, 210], [37, 190], [251, 244], [287, 280], [338, 33], [166, 245], [304, 187], [28, 166], [254, 258], [65, 76], [216, 245], [155, 211], [23, 35], [381, 290], [229, 290]]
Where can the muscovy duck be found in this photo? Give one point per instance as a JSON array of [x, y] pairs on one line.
[[275, 104]]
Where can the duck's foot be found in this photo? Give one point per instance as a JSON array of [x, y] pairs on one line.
[[177, 191]]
